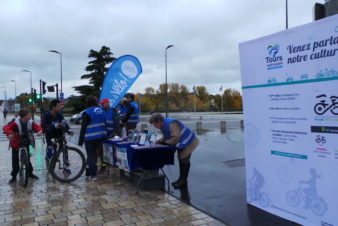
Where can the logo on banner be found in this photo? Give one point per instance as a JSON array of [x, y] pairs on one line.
[[129, 69], [324, 106], [321, 140], [273, 61]]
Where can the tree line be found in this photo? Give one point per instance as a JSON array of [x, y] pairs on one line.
[[180, 98]]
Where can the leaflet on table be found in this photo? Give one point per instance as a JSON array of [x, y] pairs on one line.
[[108, 153], [122, 158]]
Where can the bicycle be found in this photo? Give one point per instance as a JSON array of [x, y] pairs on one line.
[[67, 163], [24, 164], [24, 158]]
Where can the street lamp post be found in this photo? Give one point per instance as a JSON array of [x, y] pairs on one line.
[[286, 14], [14, 90], [166, 81], [54, 51], [30, 73], [5, 95]]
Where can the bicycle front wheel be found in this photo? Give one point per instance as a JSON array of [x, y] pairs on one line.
[[67, 164], [23, 173]]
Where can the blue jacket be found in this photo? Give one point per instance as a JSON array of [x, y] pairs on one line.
[[112, 121], [134, 117], [96, 128], [186, 138], [122, 111]]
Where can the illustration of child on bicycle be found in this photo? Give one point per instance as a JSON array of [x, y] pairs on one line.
[[307, 193], [310, 190], [19, 132]]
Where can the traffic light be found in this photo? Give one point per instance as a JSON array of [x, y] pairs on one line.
[[50, 88], [329, 8], [38, 96], [44, 87], [30, 100]]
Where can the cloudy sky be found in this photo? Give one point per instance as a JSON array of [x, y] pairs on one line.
[[206, 34]]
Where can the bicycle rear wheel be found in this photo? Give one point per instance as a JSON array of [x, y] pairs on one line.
[[23, 173], [67, 164]]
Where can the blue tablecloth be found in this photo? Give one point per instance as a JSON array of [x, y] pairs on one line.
[[146, 157], [154, 157]]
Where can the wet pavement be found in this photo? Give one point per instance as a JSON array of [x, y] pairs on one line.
[[217, 181], [110, 200], [217, 175], [216, 187]]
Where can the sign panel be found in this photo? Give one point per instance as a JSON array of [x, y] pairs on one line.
[[120, 77], [108, 153], [16, 107], [290, 99]]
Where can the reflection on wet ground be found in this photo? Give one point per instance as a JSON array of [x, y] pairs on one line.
[[217, 180]]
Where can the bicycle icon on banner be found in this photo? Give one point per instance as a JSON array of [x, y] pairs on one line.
[[321, 140], [322, 107]]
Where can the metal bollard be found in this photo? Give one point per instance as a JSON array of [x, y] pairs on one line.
[[242, 124], [198, 125], [223, 126]]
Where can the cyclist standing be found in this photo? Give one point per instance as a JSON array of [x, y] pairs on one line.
[[52, 123], [18, 133]]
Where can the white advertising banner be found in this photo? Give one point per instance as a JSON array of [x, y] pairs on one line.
[[290, 100]]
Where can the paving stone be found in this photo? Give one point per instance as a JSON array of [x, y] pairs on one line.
[[109, 201]]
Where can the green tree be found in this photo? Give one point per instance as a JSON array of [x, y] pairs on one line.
[[96, 71], [202, 93]]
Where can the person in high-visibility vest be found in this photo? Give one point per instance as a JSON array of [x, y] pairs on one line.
[[132, 116], [113, 127], [122, 109], [185, 140], [93, 132]]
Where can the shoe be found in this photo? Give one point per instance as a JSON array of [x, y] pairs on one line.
[[93, 178], [183, 181], [67, 171], [87, 172], [12, 180], [33, 176]]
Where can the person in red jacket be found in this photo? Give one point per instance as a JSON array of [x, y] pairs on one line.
[[18, 133]]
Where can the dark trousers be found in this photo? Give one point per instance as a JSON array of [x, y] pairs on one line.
[[91, 147], [16, 165]]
